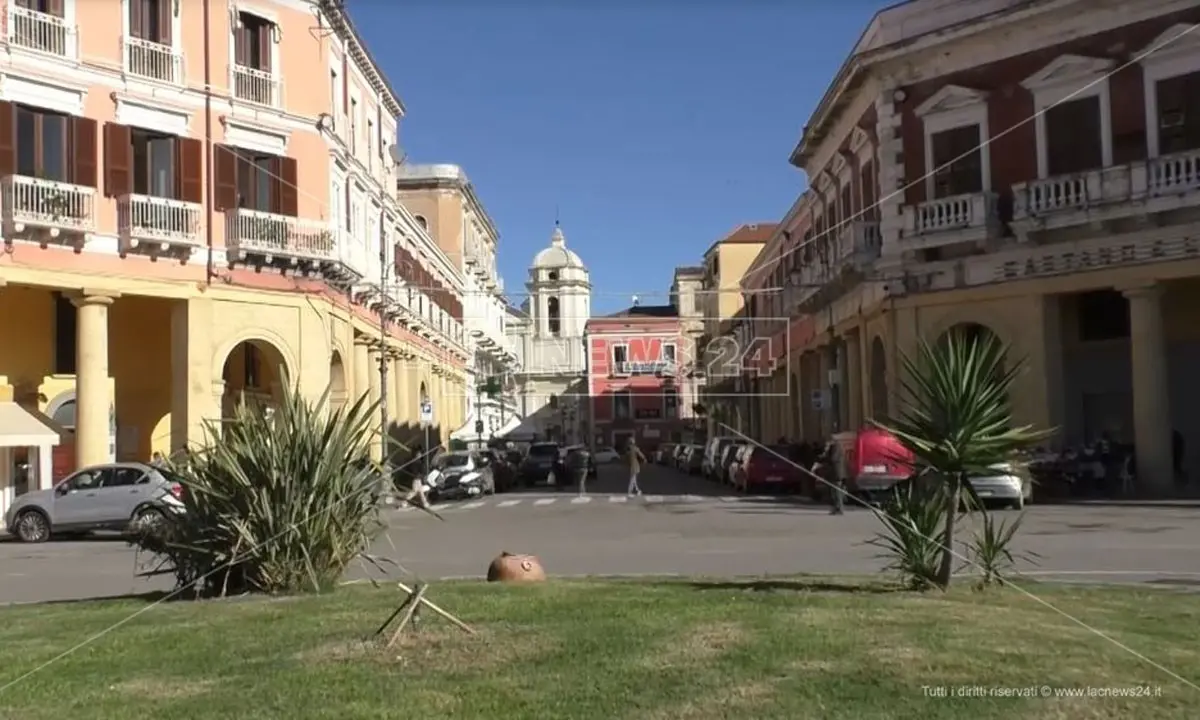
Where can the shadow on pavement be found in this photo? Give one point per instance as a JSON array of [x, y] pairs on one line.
[[798, 585], [60, 539], [150, 598]]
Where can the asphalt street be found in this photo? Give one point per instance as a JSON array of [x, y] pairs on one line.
[[682, 525]]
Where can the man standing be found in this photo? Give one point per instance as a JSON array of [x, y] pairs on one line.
[[635, 458]]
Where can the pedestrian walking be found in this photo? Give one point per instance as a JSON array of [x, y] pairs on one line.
[[634, 458], [827, 470]]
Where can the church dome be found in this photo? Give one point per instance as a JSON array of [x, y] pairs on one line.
[[557, 255]]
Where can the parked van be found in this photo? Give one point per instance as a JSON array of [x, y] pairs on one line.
[[870, 461], [714, 449]]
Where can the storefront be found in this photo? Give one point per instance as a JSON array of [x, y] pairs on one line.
[[26, 446]]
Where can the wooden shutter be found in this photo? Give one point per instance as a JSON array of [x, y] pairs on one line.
[[84, 151], [288, 198], [166, 16], [225, 185], [240, 45], [8, 136], [345, 84], [55, 8], [137, 14], [265, 39], [118, 159], [189, 170]]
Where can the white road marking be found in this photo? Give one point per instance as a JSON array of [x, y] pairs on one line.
[[581, 500], [618, 498], [508, 503], [692, 498], [544, 501], [653, 498], [477, 503], [728, 498]]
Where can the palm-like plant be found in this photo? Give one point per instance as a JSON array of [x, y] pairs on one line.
[[956, 419], [274, 502]]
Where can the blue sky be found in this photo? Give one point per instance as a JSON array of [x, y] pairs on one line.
[[653, 127]]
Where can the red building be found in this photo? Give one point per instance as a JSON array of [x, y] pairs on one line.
[[634, 358]]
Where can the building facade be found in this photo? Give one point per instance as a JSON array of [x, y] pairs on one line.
[[722, 306], [444, 202], [190, 225], [687, 297], [548, 336], [1017, 169], [634, 378]]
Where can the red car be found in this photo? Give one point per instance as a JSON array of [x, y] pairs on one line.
[[766, 469], [873, 461]]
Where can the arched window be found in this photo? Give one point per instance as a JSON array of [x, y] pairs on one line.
[[422, 221], [552, 275], [553, 314]]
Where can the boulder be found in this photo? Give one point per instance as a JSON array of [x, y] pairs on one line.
[[508, 567]]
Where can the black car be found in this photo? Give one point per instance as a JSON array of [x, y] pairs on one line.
[[539, 462]]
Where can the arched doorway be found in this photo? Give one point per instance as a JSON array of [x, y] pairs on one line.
[[971, 332], [879, 388], [255, 374], [337, 381]]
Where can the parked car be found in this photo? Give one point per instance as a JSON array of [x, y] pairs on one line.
[[713, 451], [504, 469], [1011, 486], [694, 460], [728, 459], [664, 454], [767, 469], [872, 462], [566, 450], [542, 459], [116, 496], [677, 456], [740, 455], [460, 474], [606, 455]]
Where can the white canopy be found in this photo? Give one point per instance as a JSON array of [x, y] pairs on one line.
[[518, 430], [467, 433], [22, 428]]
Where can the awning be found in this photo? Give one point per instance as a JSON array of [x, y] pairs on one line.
[[21, 428], [467, 433], [518, 430]]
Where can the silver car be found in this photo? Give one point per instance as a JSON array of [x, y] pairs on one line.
[[119, 496]]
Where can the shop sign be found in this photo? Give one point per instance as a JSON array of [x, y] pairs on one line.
[[1064, 262]]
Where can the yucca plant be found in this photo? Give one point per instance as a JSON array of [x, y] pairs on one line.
[[956, 420], [276, 502], [990, 549], [911, 539]]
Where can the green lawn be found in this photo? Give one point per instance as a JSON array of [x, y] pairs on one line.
[[608, 650]]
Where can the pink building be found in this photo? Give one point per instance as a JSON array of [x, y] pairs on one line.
[[634, 358]]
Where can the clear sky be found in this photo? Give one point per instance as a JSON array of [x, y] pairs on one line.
[[654, 127]]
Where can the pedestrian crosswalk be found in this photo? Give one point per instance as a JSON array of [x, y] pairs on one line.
[[559, 501]]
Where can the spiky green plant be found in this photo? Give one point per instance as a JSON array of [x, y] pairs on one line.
[[990, 549], [276, 502], [911, 539], [956, 420]]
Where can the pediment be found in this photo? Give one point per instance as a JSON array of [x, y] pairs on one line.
[[1068, 68], [839, 164], [950, 98], [1179, 39]]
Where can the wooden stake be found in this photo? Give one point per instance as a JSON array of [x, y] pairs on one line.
[[422, 601], [413, 602]]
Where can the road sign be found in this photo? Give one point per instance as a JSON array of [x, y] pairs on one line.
[[426, 413]]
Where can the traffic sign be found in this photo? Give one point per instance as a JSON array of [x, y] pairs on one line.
[[426, 413]]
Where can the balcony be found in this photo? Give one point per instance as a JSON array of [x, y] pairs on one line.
[[257, 86], [151, 60], [968, 218], [40, 32], [851, 253], [158, 224], [58, 208], [279, 240], [1096, 197], [661, 368]]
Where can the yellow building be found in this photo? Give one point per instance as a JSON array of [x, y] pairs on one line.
[[189, 226], [721, 304]]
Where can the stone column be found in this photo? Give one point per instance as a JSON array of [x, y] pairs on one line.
[[93, 400], [362, 368], [374, 354], [1151, 401], [825, 416], [852, 379]]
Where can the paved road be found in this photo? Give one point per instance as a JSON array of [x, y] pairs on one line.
[[682, 525]]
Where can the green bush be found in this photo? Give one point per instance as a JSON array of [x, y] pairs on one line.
[[913, 528], [276, 502], [990, 549]]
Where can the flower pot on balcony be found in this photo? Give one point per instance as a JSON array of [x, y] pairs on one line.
[[516, 568]]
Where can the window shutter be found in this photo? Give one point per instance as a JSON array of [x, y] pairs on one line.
[[54, 7], [83, 138], [266, 38], [8, 156], [225, 187], [166, 17], [136, 14], [118, 160], [345, 83], [240, 56], [289, 198], [189, 170]]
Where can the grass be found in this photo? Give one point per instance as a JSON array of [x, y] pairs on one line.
[[609, 650]]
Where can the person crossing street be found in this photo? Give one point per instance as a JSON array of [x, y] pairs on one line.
[[634, 459]]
